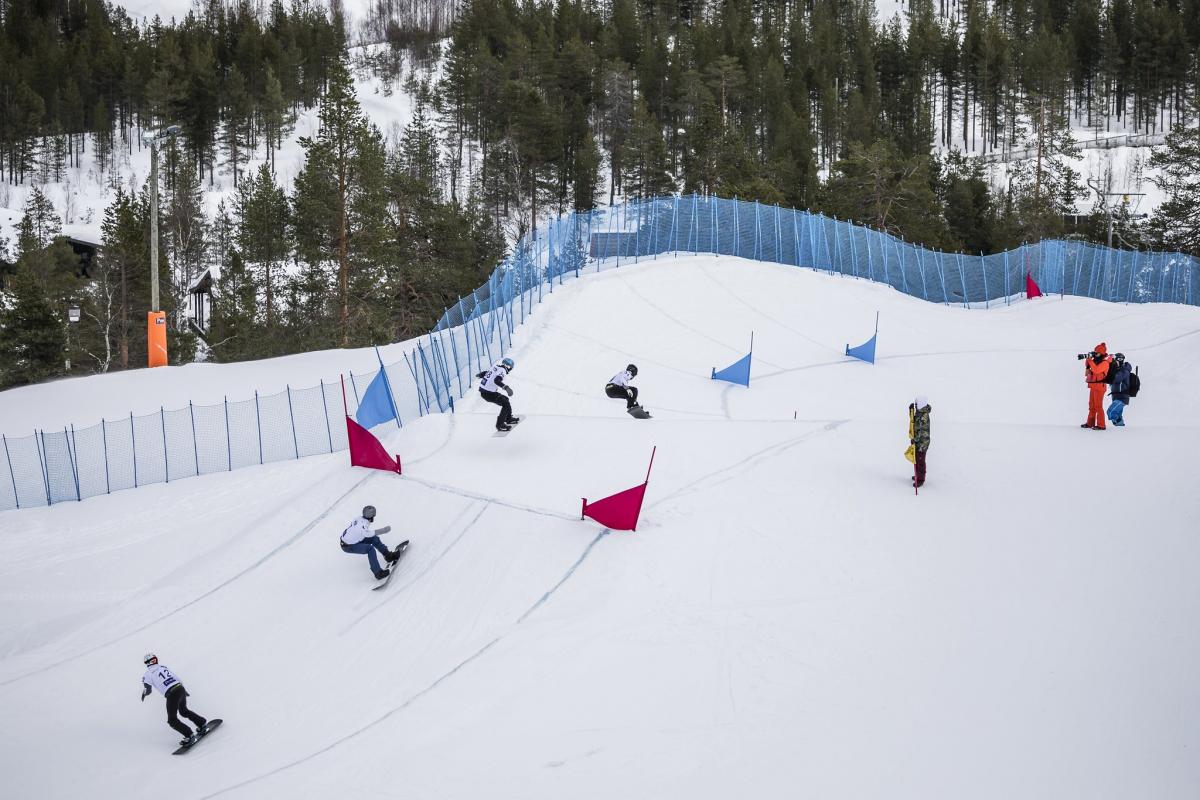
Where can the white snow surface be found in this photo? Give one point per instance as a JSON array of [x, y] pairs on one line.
[[789, 620]]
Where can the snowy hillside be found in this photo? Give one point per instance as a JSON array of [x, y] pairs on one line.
[[789, 619]]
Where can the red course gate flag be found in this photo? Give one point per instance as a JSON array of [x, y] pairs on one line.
[[620, 511]]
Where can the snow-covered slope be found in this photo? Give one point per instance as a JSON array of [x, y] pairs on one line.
[[789, 620]]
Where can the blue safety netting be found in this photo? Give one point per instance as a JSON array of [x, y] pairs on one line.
[[48, 467]]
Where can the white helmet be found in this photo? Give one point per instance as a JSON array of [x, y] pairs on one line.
[[150, 659]]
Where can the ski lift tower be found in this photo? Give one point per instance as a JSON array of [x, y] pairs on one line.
[[1108, 207]]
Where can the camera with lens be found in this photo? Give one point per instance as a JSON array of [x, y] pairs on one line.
[[1082, 356]]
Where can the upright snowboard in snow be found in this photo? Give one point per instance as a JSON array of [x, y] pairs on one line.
[[212, 725], [392, 569]]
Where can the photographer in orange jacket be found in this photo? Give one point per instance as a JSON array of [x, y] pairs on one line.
[[1095, 369]]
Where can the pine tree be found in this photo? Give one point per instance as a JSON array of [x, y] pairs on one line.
[[32, 334], [647, 167], [39, 223], [238, 121], [1176, 223], [327, 183], [262, 219]]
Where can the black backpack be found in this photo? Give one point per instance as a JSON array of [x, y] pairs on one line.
[[1135, 384]]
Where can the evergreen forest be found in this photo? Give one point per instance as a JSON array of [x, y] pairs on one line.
[[527, 109]]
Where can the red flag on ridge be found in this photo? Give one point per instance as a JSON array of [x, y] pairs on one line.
[[1031, 288], [619, 511], [366, 451]]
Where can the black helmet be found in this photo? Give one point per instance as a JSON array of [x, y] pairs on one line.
[[369, 513], [632, 370], [1119, 356]]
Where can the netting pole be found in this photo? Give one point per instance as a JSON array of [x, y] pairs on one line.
[[12, 477], [737, 228], [228, 441], [39, 439], [921, 268], [162, 417], [837, 246], [1007, 294], [962, 277], [714, 229], [779, 239], [133, 444], [195, 444], [674, 227], [942, 276], [104, 442], [853, 249], [354, 386], [71, 456], [870, 257], [1133, 271], [695, 224], [983, 269], [325, 405], [757, 234], [292, 417], [796, 236], [258, 424]]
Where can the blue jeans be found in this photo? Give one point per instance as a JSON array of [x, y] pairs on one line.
[[368, 546], [1116, 412]]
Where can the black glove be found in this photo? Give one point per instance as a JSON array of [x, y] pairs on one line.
[[509, 390], [145, 691]]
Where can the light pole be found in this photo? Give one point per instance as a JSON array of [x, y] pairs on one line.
[[73, 315], [156, 321]]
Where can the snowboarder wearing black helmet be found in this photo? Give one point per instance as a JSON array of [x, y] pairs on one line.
[[158, 676], [358, 538], [618, 388], [491, 384]]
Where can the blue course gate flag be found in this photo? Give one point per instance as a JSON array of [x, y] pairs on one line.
[[738, 371], [376, 405], [866, 351]]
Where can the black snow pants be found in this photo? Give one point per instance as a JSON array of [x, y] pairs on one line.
[[505, 415], [176, 705], [626, 393]]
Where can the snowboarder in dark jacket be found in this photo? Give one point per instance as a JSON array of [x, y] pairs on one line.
[[161, 678], [920, 410], [1120, 372]]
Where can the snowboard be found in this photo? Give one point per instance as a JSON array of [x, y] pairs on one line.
[[212, 725], [507, 432], [637, 412], [392, 569]]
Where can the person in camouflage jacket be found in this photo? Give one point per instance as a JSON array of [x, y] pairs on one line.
[[919, 414]]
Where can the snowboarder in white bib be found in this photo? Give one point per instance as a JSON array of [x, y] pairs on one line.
[[618, 387], [491, 384], [161, 678], [360, 539]]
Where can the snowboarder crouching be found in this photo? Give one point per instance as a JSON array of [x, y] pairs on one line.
[[618, 387], [490, 387], [919, 426], [161, 678], [358, 538]]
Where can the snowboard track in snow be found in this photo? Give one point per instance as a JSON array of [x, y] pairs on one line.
[[713, 478], [238, 576]]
